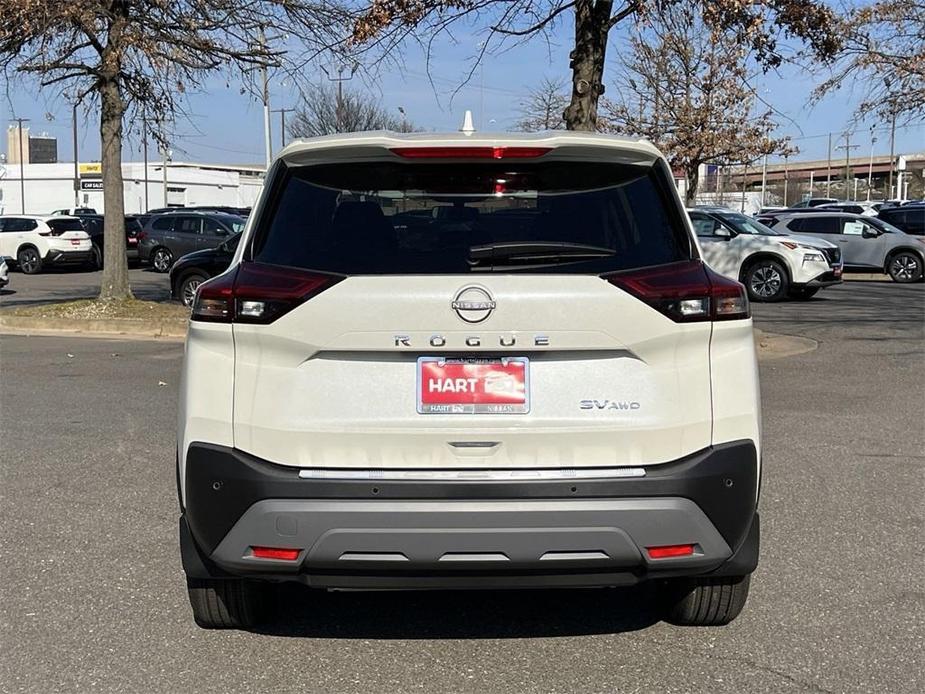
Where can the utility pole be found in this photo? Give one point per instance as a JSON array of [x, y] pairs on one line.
[[340, 79], [144, 149], [828, 171], [268, 145], [164, 171], [847, 147], [22, 168], [764, 178], [744, 173], [870, 167], [889, 187], [76, 157], [282, 123]]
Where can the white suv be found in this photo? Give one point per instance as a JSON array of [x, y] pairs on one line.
[[540, 385], [35, 242], [772, 265]]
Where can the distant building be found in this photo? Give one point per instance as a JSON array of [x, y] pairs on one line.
[[36, 149], [43, 149]]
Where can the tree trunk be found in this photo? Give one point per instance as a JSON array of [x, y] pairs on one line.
[[114, 283], [592, 25], [693, 184]]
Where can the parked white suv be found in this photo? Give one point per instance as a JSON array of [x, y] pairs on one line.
[[772, 265], [540, 385], [35, 242]]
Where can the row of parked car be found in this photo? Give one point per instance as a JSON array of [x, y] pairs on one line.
[[793, 253], [782, 253]]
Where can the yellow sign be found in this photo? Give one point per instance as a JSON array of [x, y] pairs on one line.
[[94, 168]]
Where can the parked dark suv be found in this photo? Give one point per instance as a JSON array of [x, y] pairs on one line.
[[169, 236], [93, 225], [909, 218], [195, 268]]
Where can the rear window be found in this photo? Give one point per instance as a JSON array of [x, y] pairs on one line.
[[61, 225], [392, 218]]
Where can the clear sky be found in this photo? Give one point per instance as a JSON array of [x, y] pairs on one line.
[[227, 126]]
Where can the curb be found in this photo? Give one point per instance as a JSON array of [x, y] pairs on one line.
[[866, 277], [103, 327]]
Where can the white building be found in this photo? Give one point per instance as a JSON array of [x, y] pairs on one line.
[[48, 187]]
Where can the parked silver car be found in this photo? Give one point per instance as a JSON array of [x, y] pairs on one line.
[[867, 243]]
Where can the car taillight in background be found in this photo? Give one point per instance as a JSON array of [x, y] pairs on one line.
[[470, 152], [686, 292], [141, 235], [257, 293]]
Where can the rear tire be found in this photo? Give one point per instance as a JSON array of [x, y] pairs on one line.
[[96, 259], [29, 261], [706, 602], [804, 293], [161, 259], [227, 604], [905, 267], [766, 280]]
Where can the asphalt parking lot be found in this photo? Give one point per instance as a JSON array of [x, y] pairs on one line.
[[65, 284], [93, 595]]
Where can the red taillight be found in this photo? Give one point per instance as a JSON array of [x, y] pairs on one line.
[[141, 235], [686, 292], [668, 551], [256, 293], [283, 553], [470, 152]]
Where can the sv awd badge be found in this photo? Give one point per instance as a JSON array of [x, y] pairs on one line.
[[609, 405]]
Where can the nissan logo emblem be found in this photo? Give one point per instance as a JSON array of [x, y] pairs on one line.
[[473, 304]]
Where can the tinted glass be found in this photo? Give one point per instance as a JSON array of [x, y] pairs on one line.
[[232, 222], [188, 225], [210, 226], [816, 225], [20, 224], [884, 225], [60, 225], [390, 218], [163, 224]]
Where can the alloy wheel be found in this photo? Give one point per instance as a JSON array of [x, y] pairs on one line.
[[904, 268], [189, 290], [161, 260], [28, 261], [766, 282]]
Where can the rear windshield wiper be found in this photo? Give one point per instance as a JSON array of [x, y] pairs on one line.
[[534, 252]]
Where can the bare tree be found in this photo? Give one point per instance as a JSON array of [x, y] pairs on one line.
[[757, 23], [544, 107], [690, 94], [324, 110], [884, 55], [125, 56]]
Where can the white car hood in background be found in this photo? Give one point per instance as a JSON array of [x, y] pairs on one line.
[[811, 241]]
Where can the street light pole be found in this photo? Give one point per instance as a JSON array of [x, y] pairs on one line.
[[870, 168], [144, 149], [889, 187], [828, 171]]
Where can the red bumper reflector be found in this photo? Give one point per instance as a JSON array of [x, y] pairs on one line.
[[666, 551], [275, 553], [470, 152]]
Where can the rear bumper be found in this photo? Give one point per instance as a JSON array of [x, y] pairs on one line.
[[59, 257], [438, 534]]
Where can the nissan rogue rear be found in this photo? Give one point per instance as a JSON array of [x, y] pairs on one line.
[[450, 361]]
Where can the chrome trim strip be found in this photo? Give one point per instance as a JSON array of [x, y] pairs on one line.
[[516, 475]]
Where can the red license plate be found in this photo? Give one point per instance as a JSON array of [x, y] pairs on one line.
[[473, 386]]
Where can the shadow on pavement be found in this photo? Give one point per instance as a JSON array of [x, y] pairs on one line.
[[307, 613]]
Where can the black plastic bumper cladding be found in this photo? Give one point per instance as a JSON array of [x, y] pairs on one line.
[[222, 483]]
